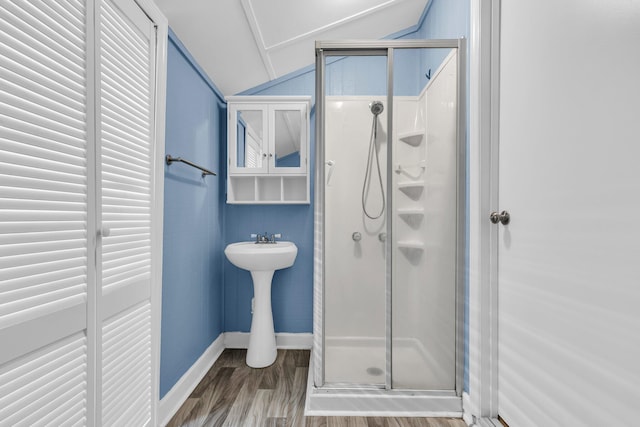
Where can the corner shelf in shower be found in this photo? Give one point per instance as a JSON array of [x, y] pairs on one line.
[[411, 244], [413, 138], [412, 189], [411, 211]]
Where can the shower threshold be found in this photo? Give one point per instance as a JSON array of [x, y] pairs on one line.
[[376, 402]]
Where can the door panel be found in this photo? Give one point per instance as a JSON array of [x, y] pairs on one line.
[[126, 162], [568, 267], [44, 217]]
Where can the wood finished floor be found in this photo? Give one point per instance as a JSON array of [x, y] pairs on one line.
[[232, 394]]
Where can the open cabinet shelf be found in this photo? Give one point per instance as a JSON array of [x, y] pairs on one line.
[[268, 189]]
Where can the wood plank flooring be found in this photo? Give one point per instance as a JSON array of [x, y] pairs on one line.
[[234, 395]]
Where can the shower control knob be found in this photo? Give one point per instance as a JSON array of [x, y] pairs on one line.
[[382, 237], [356, 236], [502, 217]]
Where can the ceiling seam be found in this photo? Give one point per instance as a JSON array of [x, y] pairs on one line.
[[257, 37], [337, 23]]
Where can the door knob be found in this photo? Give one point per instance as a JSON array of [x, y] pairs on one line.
[[502, 217], [104, 231]]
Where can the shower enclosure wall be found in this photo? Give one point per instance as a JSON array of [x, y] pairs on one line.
[[389, 229]]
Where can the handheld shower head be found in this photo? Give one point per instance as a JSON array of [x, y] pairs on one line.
[[376, 107]]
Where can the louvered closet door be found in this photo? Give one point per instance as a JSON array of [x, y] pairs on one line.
[[126, 49], [45, 214]]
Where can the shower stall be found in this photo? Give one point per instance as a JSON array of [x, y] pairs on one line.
[[389, 228]]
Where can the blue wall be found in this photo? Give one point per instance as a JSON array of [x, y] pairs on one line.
[[192, 268]]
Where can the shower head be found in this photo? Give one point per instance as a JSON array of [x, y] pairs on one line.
[[376, 107]]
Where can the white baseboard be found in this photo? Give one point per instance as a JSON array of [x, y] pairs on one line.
[[179, 393], [283, 340]]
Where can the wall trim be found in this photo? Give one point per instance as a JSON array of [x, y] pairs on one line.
[[284, 340], [161, 44], [181, 390], [467, 412], [483, 162]]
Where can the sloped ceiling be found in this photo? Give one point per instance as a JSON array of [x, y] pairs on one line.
[[244, 43]]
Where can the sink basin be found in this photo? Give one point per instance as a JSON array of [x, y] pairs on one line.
[[261, 256], [261, 259]]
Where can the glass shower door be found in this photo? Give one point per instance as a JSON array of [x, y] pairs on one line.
[[355, 221], [424, 220]]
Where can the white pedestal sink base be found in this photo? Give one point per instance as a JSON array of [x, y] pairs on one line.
[[262, 341], [261, 260]]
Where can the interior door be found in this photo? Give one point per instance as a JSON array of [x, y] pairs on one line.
[[569, 272], [45, 220]]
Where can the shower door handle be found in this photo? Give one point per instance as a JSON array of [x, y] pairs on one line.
[[502, 217]]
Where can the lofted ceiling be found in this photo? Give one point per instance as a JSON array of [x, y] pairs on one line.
[[241, 44]]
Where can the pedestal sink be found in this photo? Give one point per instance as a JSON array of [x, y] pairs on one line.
[[261, 259]]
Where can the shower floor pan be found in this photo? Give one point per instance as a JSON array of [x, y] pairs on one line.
[[355, 373]]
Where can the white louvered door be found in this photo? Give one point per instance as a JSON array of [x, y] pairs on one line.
[[45, 221], [77, 94], [126, 122]]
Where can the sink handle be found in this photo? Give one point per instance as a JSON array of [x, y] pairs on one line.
[[274, 237]]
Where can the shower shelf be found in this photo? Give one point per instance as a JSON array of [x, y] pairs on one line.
[[413, 138], [411, 244], [412, 189], [411, 212]]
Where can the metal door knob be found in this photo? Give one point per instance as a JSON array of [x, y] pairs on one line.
[[502, 217]]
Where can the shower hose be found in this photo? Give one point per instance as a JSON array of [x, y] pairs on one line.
[[367, 175]]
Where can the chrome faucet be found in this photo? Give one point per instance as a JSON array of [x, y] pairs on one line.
[[265, 238]]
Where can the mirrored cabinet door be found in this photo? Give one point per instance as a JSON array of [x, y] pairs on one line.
[[248, 148], [287, 128]]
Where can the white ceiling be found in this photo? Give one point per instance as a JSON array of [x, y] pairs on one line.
[[244, 43]]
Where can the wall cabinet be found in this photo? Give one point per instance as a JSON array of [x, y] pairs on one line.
[[268, 146]]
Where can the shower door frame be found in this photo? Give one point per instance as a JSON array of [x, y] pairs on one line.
[[325, 49]]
